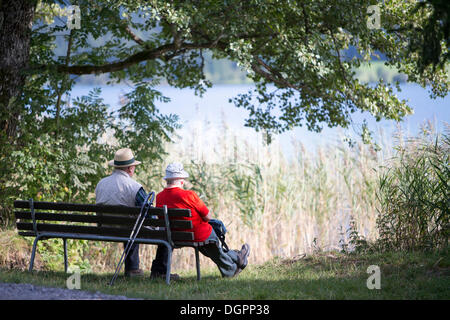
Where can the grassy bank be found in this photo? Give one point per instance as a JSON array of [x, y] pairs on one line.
[[328, 275]]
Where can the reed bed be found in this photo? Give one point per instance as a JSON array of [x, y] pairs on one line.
[[281, 206]]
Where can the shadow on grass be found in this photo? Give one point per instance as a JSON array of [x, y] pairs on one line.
[[253, 286], [403, 276]]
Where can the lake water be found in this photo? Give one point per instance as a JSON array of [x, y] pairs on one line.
[[213, 108]]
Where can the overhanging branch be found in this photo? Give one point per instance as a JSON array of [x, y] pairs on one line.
[[151, 54], [273, 75]]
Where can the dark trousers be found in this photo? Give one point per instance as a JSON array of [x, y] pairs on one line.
[[132, 259], [159, 265], [227, 262]]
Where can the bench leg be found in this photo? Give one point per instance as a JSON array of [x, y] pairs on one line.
[[169, 263], [33, 253], [197, 263], [66, 265]]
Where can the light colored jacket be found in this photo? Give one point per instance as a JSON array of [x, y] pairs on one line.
[[117, 189]]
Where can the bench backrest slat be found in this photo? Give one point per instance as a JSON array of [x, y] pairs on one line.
[[105, 231], [102, 219], [78, 207]]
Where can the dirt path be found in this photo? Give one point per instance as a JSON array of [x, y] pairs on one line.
[[24, 291]]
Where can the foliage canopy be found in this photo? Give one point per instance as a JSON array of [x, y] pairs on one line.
[[296, 52], [298, 47]]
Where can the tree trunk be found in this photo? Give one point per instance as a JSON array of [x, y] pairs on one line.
[[16, 17]]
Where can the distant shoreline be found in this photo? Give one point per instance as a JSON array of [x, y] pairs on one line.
[[230, 74]]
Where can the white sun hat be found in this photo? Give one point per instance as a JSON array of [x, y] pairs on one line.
[[175, 171], [123, 158]]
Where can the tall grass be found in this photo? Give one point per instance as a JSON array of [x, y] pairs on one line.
[[281, 207], [414, 194]]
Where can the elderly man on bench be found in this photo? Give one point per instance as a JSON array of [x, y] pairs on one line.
[[121, 189], [231, 262]]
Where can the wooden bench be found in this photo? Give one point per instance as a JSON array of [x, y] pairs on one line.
[[45, 220]]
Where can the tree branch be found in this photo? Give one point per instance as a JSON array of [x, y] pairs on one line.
[[273, 75], [158, 53], [164, 52], [134, 36]]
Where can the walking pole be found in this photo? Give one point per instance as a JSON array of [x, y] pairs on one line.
[[134, 233]]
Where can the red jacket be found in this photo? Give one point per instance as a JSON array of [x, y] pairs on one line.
[[187, 199]]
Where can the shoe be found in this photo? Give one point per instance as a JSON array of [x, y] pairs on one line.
[[134, 273], [243, 255], [238, 270], [173, 276]]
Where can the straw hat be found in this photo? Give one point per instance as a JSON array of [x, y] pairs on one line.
[[123, 158], [175, 171]]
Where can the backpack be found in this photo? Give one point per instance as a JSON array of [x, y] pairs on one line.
[[220, 230]]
